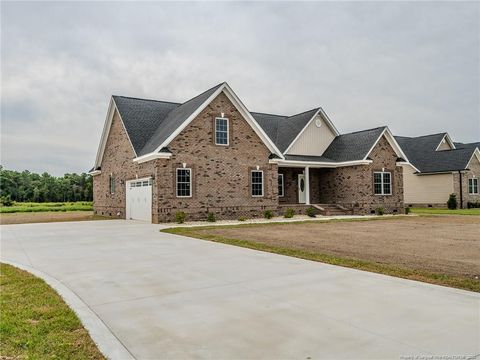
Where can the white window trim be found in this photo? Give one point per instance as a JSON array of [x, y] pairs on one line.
[[283, 185], [251, 183], [382, 183], [228, 131], [176, 183], [472, 180]]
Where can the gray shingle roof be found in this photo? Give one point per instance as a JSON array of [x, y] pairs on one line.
[[174, 119], [421, 151], [308, 158], [459, 145], [149, 123], [282, 130], [142, 117], [353, 146]]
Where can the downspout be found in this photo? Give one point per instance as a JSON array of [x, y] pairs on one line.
[[461, 189]]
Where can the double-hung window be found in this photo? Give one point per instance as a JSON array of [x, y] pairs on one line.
[[112, 184], [184, 182], [473, 186], [281, 186], [221, 131], [257, 183], [382, 183]]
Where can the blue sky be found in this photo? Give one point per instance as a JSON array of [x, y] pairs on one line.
[[411, 66]]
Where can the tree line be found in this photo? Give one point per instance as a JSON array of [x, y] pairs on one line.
[[26, 186]]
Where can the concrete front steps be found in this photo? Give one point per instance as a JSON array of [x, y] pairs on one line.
[[332, 209]]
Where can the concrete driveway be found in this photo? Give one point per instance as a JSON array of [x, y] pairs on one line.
[[166, 296]]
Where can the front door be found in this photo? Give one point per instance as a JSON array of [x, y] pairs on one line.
[[301, 189]]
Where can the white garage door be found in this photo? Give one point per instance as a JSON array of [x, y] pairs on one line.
[[139, 199]]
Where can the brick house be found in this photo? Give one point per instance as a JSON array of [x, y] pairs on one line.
[[210, 154], [439, 167]]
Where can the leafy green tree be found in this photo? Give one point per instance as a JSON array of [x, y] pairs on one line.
[[27, 186]]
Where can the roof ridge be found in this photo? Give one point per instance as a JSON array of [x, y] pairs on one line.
[[262, 113], [359, 131], [416, 137], [137, 98], [304, 112], [196, 96]]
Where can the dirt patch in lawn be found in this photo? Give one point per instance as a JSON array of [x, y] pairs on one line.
[[443, 245], [42, 217]]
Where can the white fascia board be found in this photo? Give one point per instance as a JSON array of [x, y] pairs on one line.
[[152, 156], [447, 138], [409, 164], [243, 111], [189, 119], [318, 164], [105, 132], [112, 107], [329, 122], [95, 172], [476, 153], [301, 132], [324, 117], [393, 143], [251, 121]]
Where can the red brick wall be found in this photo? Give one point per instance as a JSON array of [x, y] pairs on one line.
[[473, 170], [117, 160], [352, 187], [221, 174]]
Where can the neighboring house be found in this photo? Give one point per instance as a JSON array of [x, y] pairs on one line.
[[439, 167], [210, 154]]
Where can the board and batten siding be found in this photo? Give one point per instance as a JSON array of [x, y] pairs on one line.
[[314, 140], [426, 189]]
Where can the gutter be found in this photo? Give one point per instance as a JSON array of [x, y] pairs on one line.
[[298, 163], [148, 157]]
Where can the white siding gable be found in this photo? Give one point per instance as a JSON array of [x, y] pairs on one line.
[[313, 140]]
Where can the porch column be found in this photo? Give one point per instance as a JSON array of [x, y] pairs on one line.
[[307, 185]]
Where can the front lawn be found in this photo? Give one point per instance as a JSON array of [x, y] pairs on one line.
[[52, 206], [433, 211], [435, 249], [36, 323]]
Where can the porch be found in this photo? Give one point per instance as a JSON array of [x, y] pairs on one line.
[[304, 187]]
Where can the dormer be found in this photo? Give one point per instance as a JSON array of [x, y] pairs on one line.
[[445, 144]]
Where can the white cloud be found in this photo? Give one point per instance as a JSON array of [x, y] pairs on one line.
[[413, 67]]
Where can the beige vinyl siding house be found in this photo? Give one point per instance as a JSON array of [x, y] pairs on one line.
[[426, 189], [439, 167]]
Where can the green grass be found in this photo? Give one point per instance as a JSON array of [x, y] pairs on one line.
[[366, 265], [36, 323], [55, 206], [433, 211]]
